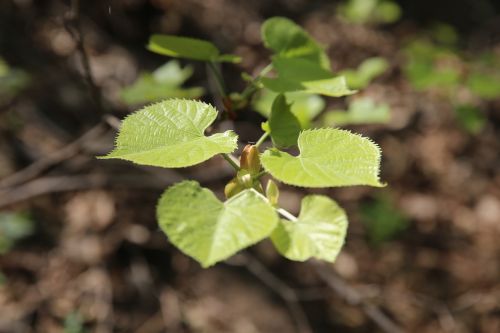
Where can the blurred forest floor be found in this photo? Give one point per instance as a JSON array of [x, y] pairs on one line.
[[80, 250]]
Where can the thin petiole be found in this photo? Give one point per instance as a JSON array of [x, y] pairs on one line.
[[218, 78], [231, 160], [262, 139], [286, 214]]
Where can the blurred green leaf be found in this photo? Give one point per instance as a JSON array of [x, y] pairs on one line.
[[3, 279], [289, 40], [73, 323], [12, 82], [165, 82], [13, 227], [485, 84], [430, 66], [304, 106], [366, 72], [370, 11], [362, 110], [383, 221], [284, 126], [319, 231], [188, 48], [208, 230], [471, 118]]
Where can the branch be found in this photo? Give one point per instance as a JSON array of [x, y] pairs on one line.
[[289, 295], [354, 297], [41, 165], [49, 185]]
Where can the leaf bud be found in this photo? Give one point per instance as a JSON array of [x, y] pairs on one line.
[[250, 159]]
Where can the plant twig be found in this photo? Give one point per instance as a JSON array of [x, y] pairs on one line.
[[218, 78], [78, 36], [354, 297], [57, 184], [289, 295], [39, 166], [231, 160], [262, 139]]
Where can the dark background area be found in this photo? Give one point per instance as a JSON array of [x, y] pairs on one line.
[[96, 261]]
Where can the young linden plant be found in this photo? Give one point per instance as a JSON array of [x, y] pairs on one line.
[[171, 134]]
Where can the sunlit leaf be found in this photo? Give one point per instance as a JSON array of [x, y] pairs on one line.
[[189, 48], [319, 231], [284, 126], [328, 157], [208, 230], [171, 134]]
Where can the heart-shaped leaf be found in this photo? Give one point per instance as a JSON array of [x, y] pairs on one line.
[[208, 230], [170, 134], [319, 231], [328, 158]]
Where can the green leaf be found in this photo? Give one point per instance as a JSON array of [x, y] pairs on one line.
[[304, 75], [171, 73], [328, 158], [361, 111], [165, 82], [319, 231], [147, 89], [365, 73], [170, 134], [289, 40], [284, 126], [208, 230], [189, 48], [305, 106], [382, 219], [471, 118]]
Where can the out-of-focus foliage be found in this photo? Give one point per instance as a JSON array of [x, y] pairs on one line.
[[362, 110], [470, 117], [73, 323], [370, 11], [12, 81], [13, 227], [304, 106], [165, 82], [366, 72], [431, 66], [435, 63], [383, 221]]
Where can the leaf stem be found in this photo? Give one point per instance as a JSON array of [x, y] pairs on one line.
[[262, 139], [252, 86], [231, 160], [218, 78], [286, 214]]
